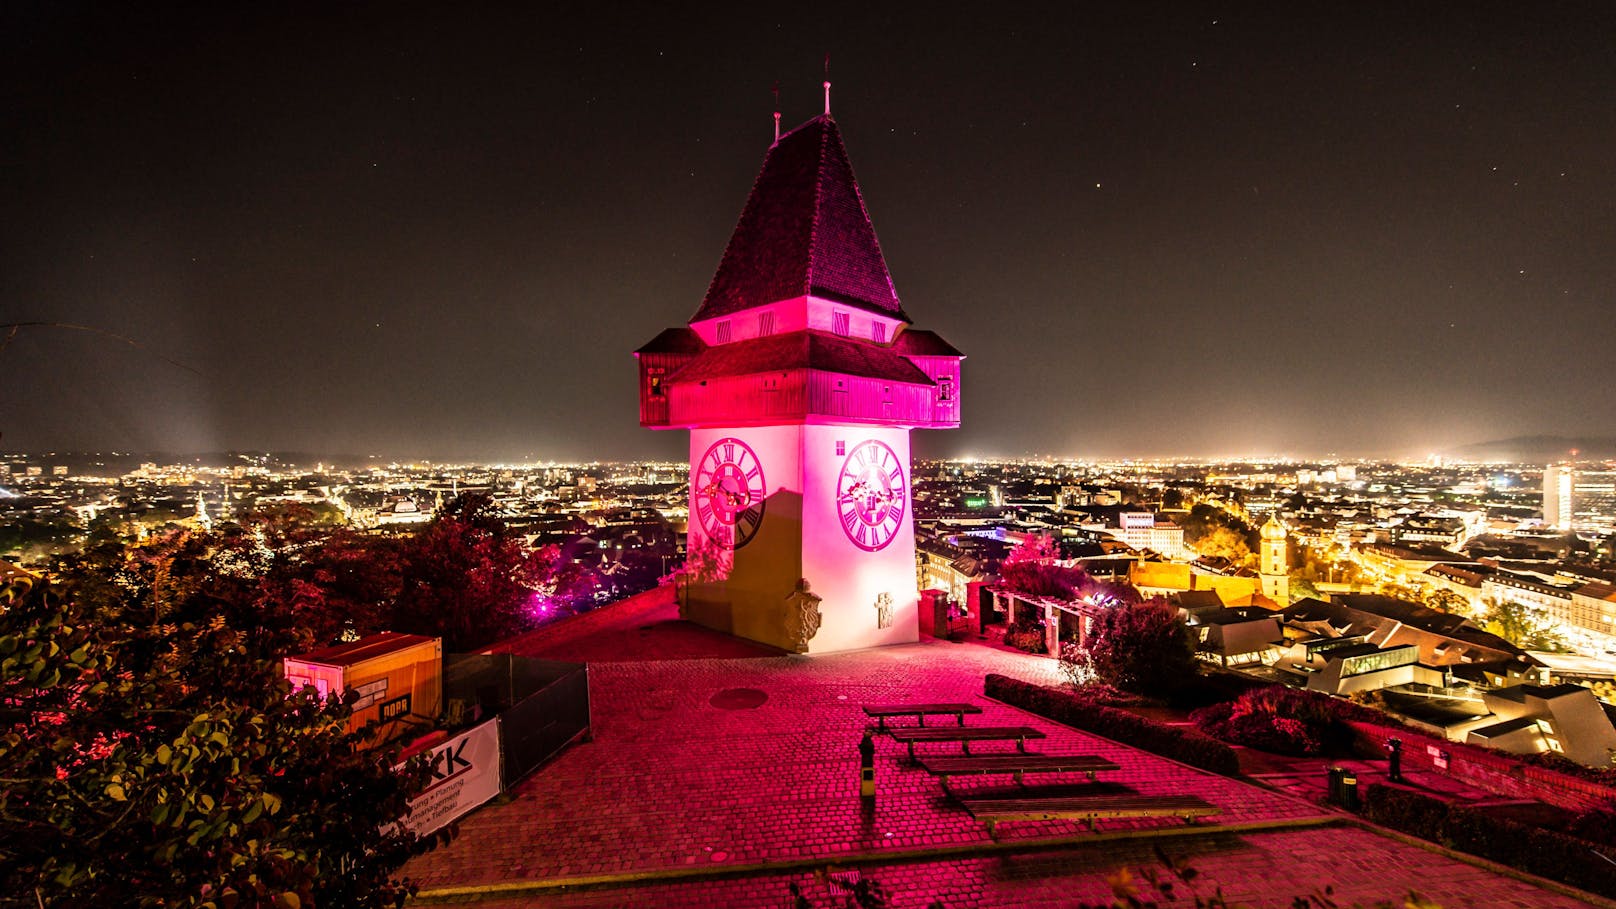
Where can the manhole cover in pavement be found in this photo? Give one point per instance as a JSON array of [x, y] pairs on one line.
[[738, 699]]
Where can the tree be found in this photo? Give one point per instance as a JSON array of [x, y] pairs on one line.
[[1447, 601], [1144, 648], [1031, 569], [154, 755], [1211, 531], [467, 578], [1302, 588], [327, 581], [1225, 543], [1521, 626]]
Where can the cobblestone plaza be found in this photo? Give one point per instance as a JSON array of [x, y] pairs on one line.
[[676, 801]]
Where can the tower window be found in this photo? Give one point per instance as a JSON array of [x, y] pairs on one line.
[[878, 332], [765, 324], [655, 381], [841, 323], [723, 332], [945, 388]]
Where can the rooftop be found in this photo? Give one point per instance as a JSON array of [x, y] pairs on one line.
[[804, 231], [800, 350]]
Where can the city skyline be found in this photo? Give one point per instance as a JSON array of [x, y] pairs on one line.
[[404, 232]]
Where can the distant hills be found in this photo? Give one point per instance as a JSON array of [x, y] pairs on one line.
[[1539, 449]]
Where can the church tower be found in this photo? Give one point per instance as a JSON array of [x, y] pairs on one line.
[[1272, 564], [799, 379]]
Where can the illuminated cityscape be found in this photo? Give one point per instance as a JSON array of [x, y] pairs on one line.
[[1121, 457]]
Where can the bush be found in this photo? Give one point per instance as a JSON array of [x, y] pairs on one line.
[[1026, 636], [1556, 856], [1279, 720], [1598, 825], [1403, 809], [1184, 745], [1215, 686], [1144, 647]]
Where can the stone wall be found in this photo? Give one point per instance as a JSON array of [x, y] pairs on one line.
[[1485, 769]]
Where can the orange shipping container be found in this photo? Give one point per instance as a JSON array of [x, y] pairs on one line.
[[398, 678]]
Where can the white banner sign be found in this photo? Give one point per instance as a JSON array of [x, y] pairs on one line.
[[465, 773]]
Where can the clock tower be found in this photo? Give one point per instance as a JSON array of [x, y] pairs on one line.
[[799, 379]]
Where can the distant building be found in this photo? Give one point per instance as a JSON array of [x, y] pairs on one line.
[[1350, 664], [1558, 484], [1273, 564], [1594, 492], [1232, 637], [1147, 530], [1442, 640], [1565, 719], [1587, 608]]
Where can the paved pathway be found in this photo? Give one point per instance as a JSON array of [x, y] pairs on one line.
[[673, 785], [1258, 870]]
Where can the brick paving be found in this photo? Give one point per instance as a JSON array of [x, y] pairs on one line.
[[671, 784], [643, 627], [1262, 870]]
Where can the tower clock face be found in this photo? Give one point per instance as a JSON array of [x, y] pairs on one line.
[[728, 492], [871, 495]]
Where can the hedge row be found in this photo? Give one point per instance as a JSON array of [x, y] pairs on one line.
[[1532, 849], [1184, 745]]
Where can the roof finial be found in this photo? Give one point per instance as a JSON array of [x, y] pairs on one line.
[[777, 110], [827, 85]]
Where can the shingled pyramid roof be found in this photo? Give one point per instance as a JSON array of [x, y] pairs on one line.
[[804, 231]]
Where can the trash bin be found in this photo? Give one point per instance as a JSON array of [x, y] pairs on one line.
[[1343, 788], [1349, 791], [1333, 784]]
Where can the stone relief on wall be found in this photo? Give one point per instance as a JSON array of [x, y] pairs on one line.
[[802, 617], [883, 610]]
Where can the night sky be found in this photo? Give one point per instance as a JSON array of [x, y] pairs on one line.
[[434, 231]]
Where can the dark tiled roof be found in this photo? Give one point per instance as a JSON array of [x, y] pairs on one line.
[[800, 350], [679, 340], [366, 648], [804, 230], [917, 343], [1413, 614]]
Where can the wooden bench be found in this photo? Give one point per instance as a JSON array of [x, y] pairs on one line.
[[1086, 808], [882, 711], [1017, 764], [965, 735]]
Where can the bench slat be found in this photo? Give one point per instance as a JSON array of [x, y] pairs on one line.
[[1011, 763], [1086, 808], [916, 709], [1085, 805], [882, 711], [966, 734]]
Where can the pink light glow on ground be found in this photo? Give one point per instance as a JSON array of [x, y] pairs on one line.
[[672, 785]]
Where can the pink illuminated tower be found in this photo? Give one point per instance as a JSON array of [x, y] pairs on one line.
[[799, 379]]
